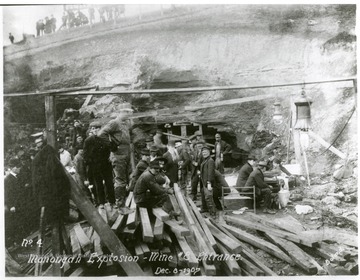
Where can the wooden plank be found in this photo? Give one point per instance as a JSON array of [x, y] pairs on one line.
[[145, 249], [251, 268], [175, 205], [247, 253], [129, 199], [130, 223], [210, 269], [300, 258], [75, 244], [326, 144], [282, 224], [119, 221], [202, 223], [190, 256], [109, 238], [139, 252], [180, 198], [87, 100], [147, 233], [160, 214], [329, 234], [84, 241], [158, 229], [283, 234], [66, 239], [95, 239], [173, 260], [167, 239], [102, 213], [231, 263], [77, 272], [323, 252], [230, 244], [176, 228], [56, 249], [258, 243]]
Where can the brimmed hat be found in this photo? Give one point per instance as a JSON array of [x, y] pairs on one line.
[[251, 157], [262, 163], [161, 160], [95, 124], [178, 144], [171, 143], [14, 162], [145, 152], [205, 148], [154, 164], [38, 140], [154, 148]]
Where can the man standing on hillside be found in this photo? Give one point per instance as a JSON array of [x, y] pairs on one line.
[[11, 37], [116, 133], [221, 148]]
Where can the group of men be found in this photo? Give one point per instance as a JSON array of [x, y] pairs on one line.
[[46, 26], [252, 174]]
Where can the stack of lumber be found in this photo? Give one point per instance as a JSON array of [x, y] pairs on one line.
[[288, 241]]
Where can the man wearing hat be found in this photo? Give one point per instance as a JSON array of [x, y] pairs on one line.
[[154, 152], [172, 158], [184, 163], [245, 172], [221, 148], [149, 142], [148, 193], [197, 158], [96, 156], [263, 190], [117, 134], [207, 180], [142, 165], [39, 142], [198, 138]]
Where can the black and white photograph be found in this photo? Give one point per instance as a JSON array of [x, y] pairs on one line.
[[180, 140]]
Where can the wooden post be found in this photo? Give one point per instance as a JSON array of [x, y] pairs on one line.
[[200, 127], [50, 112]]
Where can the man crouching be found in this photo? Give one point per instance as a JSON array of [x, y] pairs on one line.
[[148, 193]]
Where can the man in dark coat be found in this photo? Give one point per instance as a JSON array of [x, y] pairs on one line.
[[142, 165], [99, 169], [221, 148], [117, 134], [245, 172], [262, 190], [184, 163], [148, 193], [196, 161], [171, 166], [207, 180]]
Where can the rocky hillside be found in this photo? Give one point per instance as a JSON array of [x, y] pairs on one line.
[[208, 46]]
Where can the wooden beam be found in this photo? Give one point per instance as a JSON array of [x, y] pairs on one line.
[[209, 269], [326, 144], [147, 233], [109, 238], [202, 223], [139, 252], [230, 244], [180, 198], [175, 204], [251, 268], [160, 214], [84, 241], [330, 234], [131, 219], [77, 272], [102, 213], [158, 229], [95, 239], [283, 234], [247, 253], [258, 243], [75, 244], [50, 114], [119, 221], [176, 228], [145, 249], [231, 263], [190, 256], [300, 258], [190, 90]]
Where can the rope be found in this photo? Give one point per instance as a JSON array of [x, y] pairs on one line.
[[342, 130]]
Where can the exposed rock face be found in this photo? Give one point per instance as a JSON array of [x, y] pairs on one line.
[[217, 45]]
